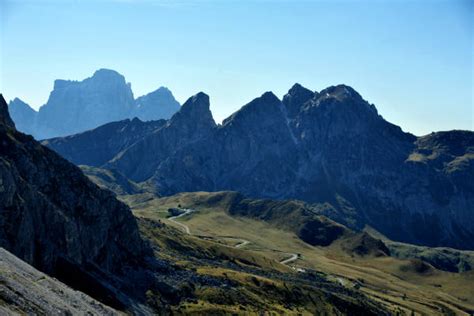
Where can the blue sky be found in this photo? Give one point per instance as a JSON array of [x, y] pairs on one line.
[[412, 59]]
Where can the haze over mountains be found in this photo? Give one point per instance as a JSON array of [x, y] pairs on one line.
[[330, 149], [76, 106]]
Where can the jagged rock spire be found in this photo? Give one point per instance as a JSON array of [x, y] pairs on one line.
[[5, 119], [295, 98]]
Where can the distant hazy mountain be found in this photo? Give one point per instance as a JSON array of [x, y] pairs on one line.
[[23, 116], [328, 148], [159, 104], [77, 106]]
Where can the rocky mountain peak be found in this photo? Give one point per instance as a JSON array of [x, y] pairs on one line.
[[107, 74], [268, 97], [111, 80], [296, 97], [23, 115], [195, 111], [256, 111], [344, 102], [78, 106], [156, 105], [61, 83], [5, 119], [17, 105], [298, 90], [341, 92], [161, 91], [20, 102], [102, 77]]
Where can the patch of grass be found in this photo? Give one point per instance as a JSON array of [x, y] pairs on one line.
[[395, 284]]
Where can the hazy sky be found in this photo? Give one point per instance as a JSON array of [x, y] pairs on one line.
[[412, 59]]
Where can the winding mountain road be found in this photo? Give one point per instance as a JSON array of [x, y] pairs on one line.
[[186, 227], [242, 243], [294, 256]]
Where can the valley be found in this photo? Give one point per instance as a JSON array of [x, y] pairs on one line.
[[405, 285]]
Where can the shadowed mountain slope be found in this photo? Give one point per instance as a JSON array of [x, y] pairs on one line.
[[328, 147], [54, 218], [29, 291]]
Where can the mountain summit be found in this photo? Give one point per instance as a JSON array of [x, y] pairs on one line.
[[77, 106], [156, 105], [195, 111], [296, 97]]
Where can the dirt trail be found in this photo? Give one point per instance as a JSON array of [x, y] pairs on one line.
[[294, 256], [242, 243], [186, 227]]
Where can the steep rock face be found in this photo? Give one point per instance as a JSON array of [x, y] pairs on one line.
[[328, 147], [5, 119], [96, 147], [193, 122], [252, 151], [337, 149], [111, 179], [54, 218], [346, 148], [159, 104], [136, 148], [78, 106], [296, 97], [23, 115]]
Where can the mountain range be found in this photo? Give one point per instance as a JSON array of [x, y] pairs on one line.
[[68, 246], [330, 149], [77, 106]]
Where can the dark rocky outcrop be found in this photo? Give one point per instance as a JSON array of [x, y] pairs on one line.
[[137, 148], [364, 244], [112, 180], [6, 122], [296, 97], [327, 148], [191, 123], [252, 151], [100, 145], [77, 106], [54, 218]]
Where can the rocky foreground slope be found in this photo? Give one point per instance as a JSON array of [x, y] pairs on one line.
[[24, 289], [326, 148], [54, 218], [77, 106]]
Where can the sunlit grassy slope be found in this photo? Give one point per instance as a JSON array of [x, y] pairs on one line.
[[400, 285]]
